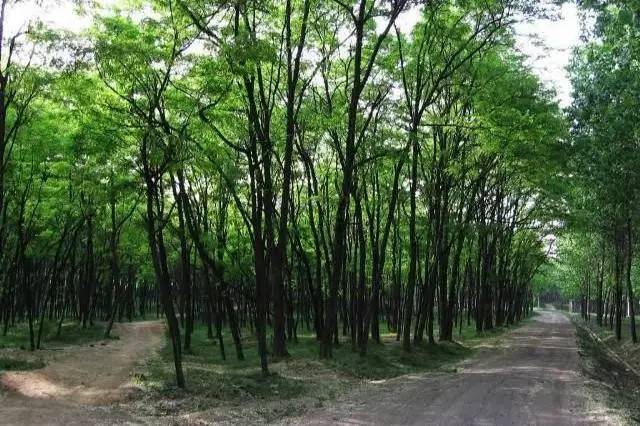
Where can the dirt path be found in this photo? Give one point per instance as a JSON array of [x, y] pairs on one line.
[[79, 382], [532, 377]]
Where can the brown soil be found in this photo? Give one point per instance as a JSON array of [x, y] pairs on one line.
[[532, 377], [80, 382]]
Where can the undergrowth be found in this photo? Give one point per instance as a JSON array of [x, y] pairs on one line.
[[295, 383]]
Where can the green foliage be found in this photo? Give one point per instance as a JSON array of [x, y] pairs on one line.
[[71, 333], [19, 364], [204, 92], [605, 114], [575, 265]]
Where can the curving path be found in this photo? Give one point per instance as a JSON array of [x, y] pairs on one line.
[[79, 382]]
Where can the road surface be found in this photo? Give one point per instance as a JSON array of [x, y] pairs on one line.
[[531, 378], [79, 384]]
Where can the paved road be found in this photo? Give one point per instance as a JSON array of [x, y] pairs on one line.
[[532, 378]]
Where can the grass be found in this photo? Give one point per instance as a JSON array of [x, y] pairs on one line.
[[10, 363], [72, 334], [607, 331], [616, 380], [624, 347], [14, 345], [237, 391]]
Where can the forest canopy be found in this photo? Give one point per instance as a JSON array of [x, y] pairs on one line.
[[272, 166], [596, 264]]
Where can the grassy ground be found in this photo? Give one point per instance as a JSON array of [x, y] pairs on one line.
[[624, 348], [72, 333], [614, 365], [606, 331], [13, 362], [236, 391], [15, 344]]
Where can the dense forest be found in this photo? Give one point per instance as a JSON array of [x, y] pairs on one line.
[[280, 167]]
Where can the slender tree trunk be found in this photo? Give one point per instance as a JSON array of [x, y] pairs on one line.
[[632, 313], [158, 254], [618, 285], [413, 244]]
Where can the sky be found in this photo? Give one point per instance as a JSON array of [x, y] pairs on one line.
[[546, 43]]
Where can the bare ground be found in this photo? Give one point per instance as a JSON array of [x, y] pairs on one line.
[[80, 383], [531, 377]]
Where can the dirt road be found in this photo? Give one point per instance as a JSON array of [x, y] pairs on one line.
[[531, 378], [79, 382]]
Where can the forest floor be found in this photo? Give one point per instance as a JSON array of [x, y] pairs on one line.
[[130, 380], [79, 383], [235, 392], [613, 364], [532, 376]]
